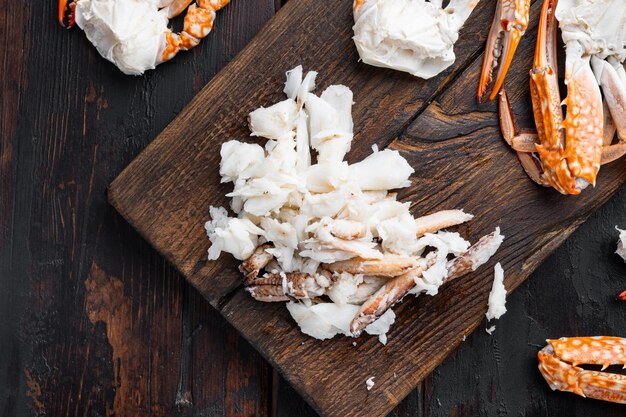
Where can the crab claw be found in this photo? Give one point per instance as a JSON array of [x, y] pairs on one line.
[[62, 11], [508, 27], [622, 296], [558, 363]]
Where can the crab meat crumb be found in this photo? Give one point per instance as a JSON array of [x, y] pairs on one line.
[[369, 383], [497, 296], [490, 329]]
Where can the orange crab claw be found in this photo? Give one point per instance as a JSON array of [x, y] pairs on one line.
[[622, 296], [559, 359], [508, 27], [62, 13], [548, 115]]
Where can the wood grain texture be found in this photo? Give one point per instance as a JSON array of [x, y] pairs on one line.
[[94, 322], [460, 161]]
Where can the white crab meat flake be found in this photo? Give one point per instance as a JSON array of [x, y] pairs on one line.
[[237, 236], [491, 329], [330, 234], [369, 383], [497, 296], [326, 320]]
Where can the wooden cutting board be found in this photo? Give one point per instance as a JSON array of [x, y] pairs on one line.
[[460, 159]]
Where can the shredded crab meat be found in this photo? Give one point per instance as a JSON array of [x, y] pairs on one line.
[[325, 236], [497, 296]]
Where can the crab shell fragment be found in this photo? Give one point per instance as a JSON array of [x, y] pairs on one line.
[[558, 363]]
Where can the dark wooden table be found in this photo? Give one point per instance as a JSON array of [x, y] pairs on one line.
[[93, 322]]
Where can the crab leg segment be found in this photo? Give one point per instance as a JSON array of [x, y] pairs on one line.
[[287, 286], [522, 144], [257, 261], [611, 153], [595, 350], [388, 266], [508, 27], [609, 128], [571, 148], [558, 360], [397, 288], [546, 101], [197, 25], [388, 295], [62, 12], [440, 220]]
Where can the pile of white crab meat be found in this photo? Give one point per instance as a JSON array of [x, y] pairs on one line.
[[328, 237], [414, 36]]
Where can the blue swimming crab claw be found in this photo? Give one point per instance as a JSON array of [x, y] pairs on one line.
[[508, 27]]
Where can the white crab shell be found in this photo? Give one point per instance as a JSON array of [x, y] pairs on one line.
[[129, 33], [415, 36]]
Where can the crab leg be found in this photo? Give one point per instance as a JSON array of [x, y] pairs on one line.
[[608, 126], [287, 286], [388, 295], [62, 11], [197, 24], [508, 27], [509, 129], [526, 142], [614, 92], [440, 220], [257, 261], [611, 153], [559, 359], [388, 266], [544, 91], [394, 290]]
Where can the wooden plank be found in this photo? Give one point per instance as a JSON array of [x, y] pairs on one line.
[[460, 162], [92, 317]]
